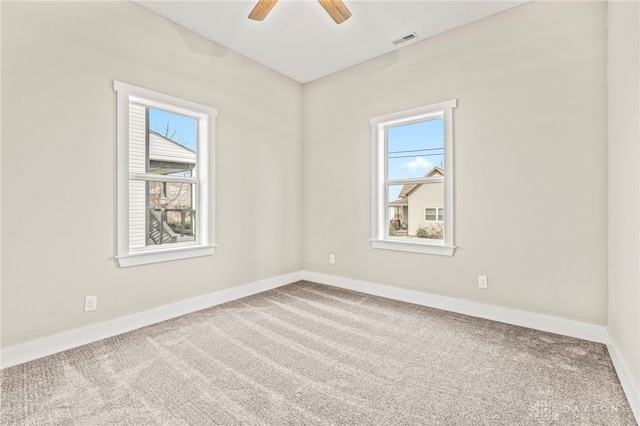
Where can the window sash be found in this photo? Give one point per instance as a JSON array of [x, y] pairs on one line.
[[163, 178], [410, 181]]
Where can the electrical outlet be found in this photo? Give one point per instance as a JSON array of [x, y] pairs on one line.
[[90, 303], [483, 281], [332, 258]]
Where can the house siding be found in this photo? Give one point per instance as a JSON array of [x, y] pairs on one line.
[[161, 149]]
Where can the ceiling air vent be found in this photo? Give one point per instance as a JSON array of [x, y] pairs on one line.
[[405, 39]]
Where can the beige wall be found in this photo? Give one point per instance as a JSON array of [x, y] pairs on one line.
[[59, 172], [530, 155], [624, 181]]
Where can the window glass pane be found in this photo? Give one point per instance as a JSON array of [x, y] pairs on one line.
[[172, 143], [441, 214], [170, 212], [415, 149]]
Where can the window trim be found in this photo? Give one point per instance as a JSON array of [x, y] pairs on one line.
[[205, 240], [379, 198]]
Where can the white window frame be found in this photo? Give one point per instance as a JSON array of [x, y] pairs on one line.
[[204, 243], [439, 214], [380, 193]]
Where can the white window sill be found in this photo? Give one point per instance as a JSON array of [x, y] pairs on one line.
[[415, 247], [156, 256]]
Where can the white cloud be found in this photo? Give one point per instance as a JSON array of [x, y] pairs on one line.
[[418, 164]]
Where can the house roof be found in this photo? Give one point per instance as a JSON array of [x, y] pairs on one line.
[[399, 202], [409, 188]]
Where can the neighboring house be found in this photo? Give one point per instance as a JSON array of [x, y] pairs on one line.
[[169, 157], [420, 206]]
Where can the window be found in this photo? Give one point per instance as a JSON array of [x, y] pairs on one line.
[[165, 177], [413, 180], [434, 214]]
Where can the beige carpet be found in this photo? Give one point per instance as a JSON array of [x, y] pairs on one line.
[[308, 354]]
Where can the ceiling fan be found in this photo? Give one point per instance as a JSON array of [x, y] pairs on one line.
[[335, 8]]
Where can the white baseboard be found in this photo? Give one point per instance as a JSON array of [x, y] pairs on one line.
[[591, 332], [70, 339], [628, 384]]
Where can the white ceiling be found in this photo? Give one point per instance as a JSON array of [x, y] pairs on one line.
[[300, 40]]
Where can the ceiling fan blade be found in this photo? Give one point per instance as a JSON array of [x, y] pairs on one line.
[[336, 9], [262, 9]]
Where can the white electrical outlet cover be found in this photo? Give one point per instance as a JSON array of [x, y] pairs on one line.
[[483, 281], [90, 303]]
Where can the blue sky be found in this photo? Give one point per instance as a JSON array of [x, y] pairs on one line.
[[413, 150], [185, 127]]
